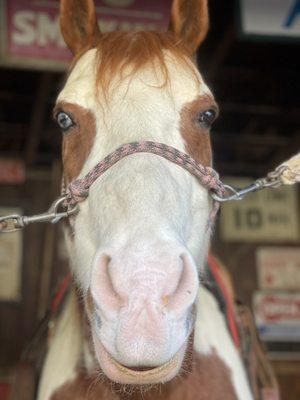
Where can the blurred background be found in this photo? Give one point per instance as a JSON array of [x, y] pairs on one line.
[[251, 62]]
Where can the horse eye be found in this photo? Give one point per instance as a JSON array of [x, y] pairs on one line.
[[64, 121], [207, 117]]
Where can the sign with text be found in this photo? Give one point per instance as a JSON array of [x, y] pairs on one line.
[[270, 18], [278, 268], [30, 32], [270, 215], [277, 315]]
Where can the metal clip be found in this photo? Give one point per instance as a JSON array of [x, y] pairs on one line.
[[13, 223], [272, 180], [232, 193]]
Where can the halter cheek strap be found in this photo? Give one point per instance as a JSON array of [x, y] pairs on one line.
[[78, 190]]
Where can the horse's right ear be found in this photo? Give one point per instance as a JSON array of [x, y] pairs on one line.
[[78, 23]]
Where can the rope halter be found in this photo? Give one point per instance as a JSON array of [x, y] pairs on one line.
[[78, 190]]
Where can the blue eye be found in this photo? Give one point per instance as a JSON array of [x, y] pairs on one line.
[[207, 117], [64, 121]]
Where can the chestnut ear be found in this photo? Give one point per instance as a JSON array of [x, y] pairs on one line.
[[189, 23], [78, 24]]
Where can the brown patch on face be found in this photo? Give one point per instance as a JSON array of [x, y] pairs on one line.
[[78, 140], [195, 134]]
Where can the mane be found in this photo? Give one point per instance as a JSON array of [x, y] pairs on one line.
[[123, 54], [118, 50]]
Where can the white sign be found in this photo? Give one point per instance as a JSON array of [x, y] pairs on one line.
[[269, 215], [270, 17], [10, 261], [277, 316], [278, 268]]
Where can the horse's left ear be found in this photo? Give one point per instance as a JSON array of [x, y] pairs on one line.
[[78, 24], [189, 23]]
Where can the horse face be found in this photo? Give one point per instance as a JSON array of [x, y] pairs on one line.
[[139, 236]]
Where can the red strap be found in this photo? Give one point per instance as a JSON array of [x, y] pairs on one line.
[[213, 264], [60, 294]]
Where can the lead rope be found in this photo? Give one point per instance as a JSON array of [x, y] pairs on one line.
[[287, 173], [290, 171]]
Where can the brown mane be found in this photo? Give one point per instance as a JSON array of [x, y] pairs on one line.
[[135, 49]]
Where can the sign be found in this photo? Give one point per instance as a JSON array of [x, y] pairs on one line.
[[30, 32], [270, 18], [269, 215], [277, 316], [10, 261], [12, 171], [278, 268]]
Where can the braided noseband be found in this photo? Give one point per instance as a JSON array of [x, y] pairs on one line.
[[65, 206], [78, 190]]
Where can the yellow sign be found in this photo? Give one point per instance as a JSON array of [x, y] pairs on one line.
[[270, 215]]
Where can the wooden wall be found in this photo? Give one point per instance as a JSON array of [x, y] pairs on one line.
[[19, 319], [240, 260]]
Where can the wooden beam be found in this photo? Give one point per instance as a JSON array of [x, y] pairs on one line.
[[240, 168], [9, 96], [261, 109], [37, 116], [248, 140], [49, 245], [221, 53]]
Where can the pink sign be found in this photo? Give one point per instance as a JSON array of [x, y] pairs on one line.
[[32, 34], [277, 315]]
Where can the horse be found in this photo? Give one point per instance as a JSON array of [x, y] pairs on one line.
[[138, 322]]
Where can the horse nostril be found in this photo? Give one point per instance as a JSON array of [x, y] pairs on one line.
[[186, 291], [102, 288]]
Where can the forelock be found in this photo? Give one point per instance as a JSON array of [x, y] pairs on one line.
[[121, 55]]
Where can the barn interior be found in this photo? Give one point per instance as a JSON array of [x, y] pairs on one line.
[[255, 80]]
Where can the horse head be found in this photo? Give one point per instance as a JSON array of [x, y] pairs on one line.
[[140, 239]]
